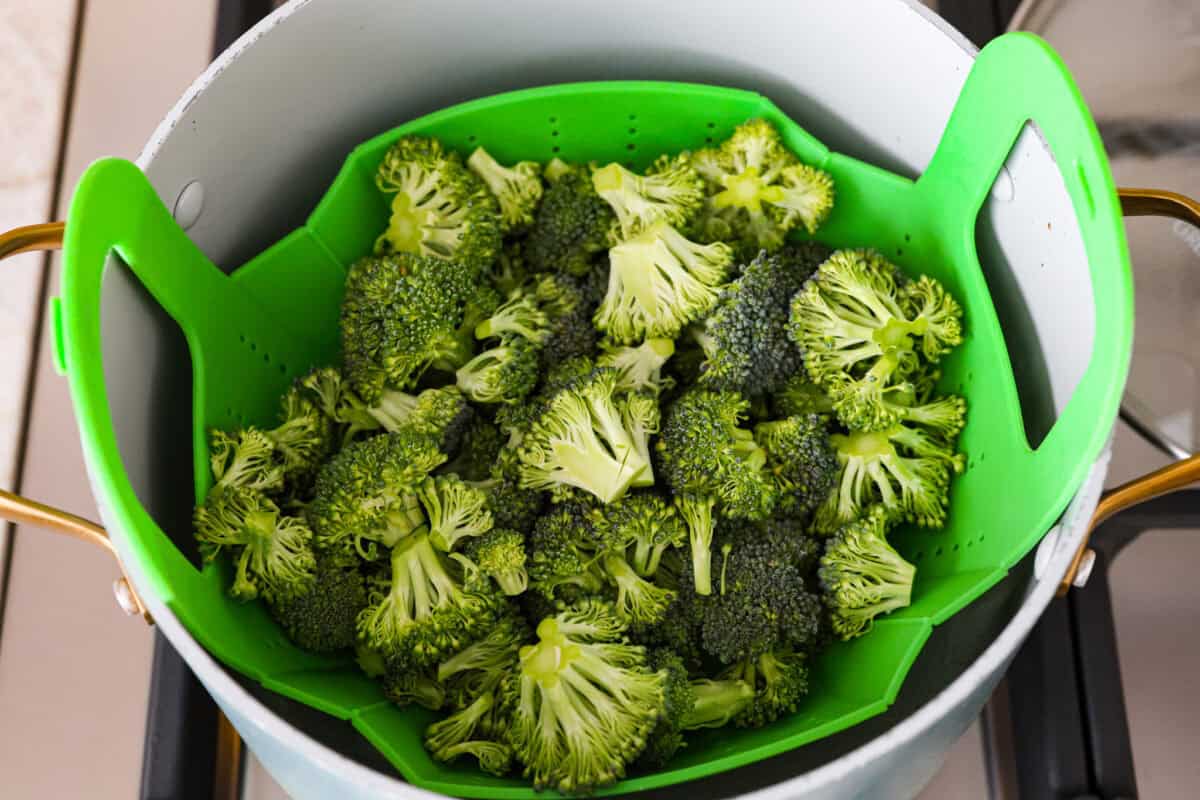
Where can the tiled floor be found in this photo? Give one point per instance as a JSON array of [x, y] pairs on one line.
[[89, 700]]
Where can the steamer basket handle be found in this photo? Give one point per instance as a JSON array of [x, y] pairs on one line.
[[18, 509], [1173, 477]]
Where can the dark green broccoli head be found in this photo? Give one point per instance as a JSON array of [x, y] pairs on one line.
[[862, 574], [745, 337], [477, 452], [561, 555], [500, 555], [801, 460], [404, 686], [569, 307], [440, 209], [272, 553], [571, 225], [501, 374], [580, 676], [679, 629], [400, 315], [642, 526], [780, 682], [762, 602], [678, 698], [509, 271], [702, 450], [366, 495], [322, 620]]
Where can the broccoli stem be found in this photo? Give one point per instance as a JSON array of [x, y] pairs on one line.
[[716, 703], [647, 555]]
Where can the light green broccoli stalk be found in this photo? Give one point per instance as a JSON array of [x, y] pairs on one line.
[[671, 192]]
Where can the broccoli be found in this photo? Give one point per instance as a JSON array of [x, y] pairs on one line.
[[456, 511], [702, 450], [639, 369], [671, 192], [366, 495], [679, 629], [779, 680], [322, 620], [500, 554], [862, 575], [582, 440], [571, 225], [439, 208], [512, 506], [745, 338], [904, 468], [642, 419], [642, 526], [519, 315], [453, 736], [400, 314], [569, 306], [442, 414], [422, 613], [583, 701], [517, 189], [244, 459], [865, 334], [639, 603], [561, 564], [404, 686], [303, 439], [509, 271], [502, 374], [799, 396], [478, 449], [764, 602], [689, 705], [801, 460], [759, 191], [697, 513], [272, 553], [658, 282]]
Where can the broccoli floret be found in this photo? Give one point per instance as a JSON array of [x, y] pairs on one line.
[[780, 682], [865, 335], [272, 553], [456, 511], [689, 705], [702, 450], [443, 414], [509, 271], [477, 452], [583, 701], [482, 666], [517, 189], [639, 368], [322, 620], [763, 603], [582, 440], [745, 339], [303, 439], [511, 505], [697, 513], [642, 419], [453, 736], [571, 225], [500, 554], [400, 314], [639, 602], [422, 613], [439, 208], [561, 562], [671, 192], [758, 190], [405, 686], [519, 315], [679, 629], [642, 526], [862, 574], [501, 374], [244, 459], [366, 495], [801, 459], [658, 282], [904, 468], [569, 306], [799, 396]]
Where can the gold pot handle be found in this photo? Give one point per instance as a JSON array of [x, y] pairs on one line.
[[1173, 477], [15, 508]]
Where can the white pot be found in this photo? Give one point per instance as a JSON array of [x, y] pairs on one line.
[[265, 128]]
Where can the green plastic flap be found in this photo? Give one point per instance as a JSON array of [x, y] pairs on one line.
[[250, 333]]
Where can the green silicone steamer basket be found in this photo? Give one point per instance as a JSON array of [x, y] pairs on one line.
[[250, 332]]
